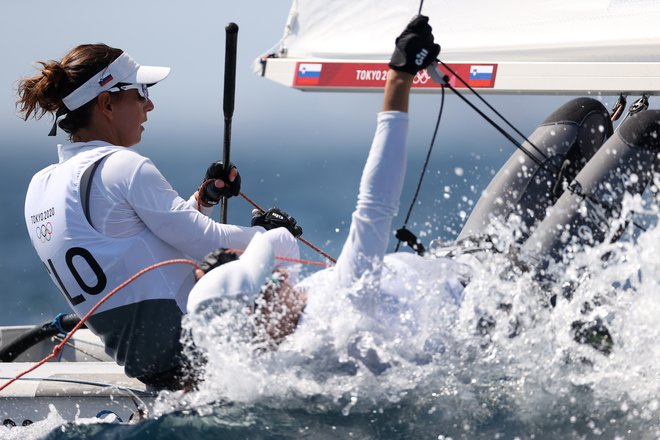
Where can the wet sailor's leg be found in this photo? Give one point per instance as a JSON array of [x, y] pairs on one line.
[[585, 213], [568, 138]]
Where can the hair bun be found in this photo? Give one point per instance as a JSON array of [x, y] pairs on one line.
[[52, 73], [43, 93]]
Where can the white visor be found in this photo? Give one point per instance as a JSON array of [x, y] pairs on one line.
[[122, 70]]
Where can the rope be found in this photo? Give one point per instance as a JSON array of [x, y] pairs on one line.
[[494, 110], [200, 191], [541, 164], [58, 348], [426, 163], [78, 349], [498, 114], [502, 131], [57, 322], [293, 260], [253, 203]]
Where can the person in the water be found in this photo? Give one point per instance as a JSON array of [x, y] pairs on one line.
[[581, 170]]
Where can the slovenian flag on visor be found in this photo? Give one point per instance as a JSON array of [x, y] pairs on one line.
[[309, 74]]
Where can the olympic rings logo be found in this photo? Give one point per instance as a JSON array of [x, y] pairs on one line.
[[422, 77], [45, 232]]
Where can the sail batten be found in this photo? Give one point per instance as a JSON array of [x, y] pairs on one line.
[[585, 46]]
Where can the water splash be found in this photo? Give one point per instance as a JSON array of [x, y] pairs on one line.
[[504, 362]]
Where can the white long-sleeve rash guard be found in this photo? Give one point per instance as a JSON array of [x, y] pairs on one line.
[[129, 194], [137, 219]]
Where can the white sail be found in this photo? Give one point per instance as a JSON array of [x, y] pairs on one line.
[[545, 46]]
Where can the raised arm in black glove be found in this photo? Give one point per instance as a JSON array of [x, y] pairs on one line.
[[415, 49], [210, 194], [276, 218]]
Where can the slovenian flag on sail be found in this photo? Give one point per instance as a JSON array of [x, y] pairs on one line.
[[481, 76], [309, 74]]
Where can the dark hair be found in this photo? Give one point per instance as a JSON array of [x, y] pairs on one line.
[[43, 93]]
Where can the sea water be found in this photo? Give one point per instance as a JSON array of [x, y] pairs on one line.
[[525, 377]]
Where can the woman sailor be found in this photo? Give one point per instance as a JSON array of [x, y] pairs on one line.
[[572, 140], [103, 212]]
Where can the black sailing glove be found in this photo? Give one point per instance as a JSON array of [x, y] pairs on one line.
[[415, 49], [217, 258], [210, 194], [276, 218]]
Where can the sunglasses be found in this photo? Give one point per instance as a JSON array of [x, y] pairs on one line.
[[143, 89]]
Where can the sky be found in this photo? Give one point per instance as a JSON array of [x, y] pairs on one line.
[[190, 39], [187, 37], [270, 122]]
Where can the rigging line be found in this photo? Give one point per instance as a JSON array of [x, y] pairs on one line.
[[58, 348], [493, 109], [291, 260], [495, 125], [421, 3], [253, 203], [426, 162], [78, 349]]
